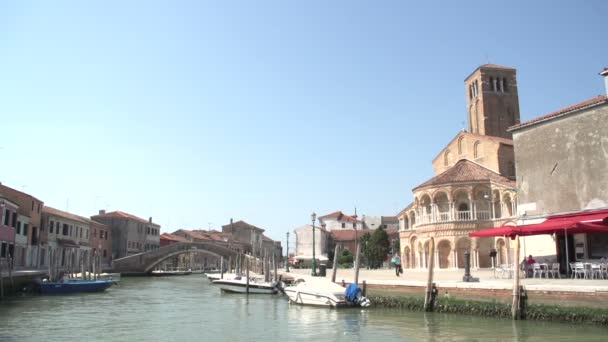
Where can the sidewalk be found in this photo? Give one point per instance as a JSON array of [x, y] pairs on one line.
[[453, 279]]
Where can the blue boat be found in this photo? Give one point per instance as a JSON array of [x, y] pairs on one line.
[[74, 286]]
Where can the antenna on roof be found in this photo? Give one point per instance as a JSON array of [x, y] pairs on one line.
[[355, 211]]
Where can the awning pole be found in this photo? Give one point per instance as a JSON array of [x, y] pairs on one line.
[[567, 259]]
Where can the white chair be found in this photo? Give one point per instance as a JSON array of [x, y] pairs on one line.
[[578, 270], [537, 270], [554, 270], [604, 271]]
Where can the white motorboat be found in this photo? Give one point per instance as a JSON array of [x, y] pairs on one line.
[[239, 285], [324, 294], [217, 276]]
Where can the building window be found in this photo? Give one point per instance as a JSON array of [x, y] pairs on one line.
[[32, 205], [94, 233], [14, 225], [66, 229], [105, 253], [476, 149], [355, 225], [19, 227], [51, 229], [86, 233], [25, 229], [343, 225], [7, 217]]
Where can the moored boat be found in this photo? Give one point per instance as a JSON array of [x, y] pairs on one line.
[[162, 273], [74, 286], [239, 285], [329, 295]]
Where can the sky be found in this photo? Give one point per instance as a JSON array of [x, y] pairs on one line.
[[195, 112]]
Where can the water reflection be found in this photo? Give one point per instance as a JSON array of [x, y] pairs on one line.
[[189, 308]]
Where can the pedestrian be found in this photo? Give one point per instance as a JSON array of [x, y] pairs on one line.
[[397, 261]]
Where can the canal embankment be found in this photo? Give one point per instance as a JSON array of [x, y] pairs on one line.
[[563, 300]]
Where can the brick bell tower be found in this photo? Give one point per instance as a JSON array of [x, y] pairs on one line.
[[492, 100]]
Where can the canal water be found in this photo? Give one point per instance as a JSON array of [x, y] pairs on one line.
[[190, 309]]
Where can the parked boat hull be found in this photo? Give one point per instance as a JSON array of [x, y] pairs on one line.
[[74, 286], [170, 273], [304, 297], [238, 286]]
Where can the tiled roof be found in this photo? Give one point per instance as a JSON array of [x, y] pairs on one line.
[[206, 235], [598, 100], [266, 238], [340, 216], [2, 186], [120, 214], [171, 237], [57, 212], [348, 234], [409, 206], [467, 171], [390, 218], [242, 224]]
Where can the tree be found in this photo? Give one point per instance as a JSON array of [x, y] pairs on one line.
[[346, 259], [376, 247]]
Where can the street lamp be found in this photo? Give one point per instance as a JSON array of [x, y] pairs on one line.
[[287, 258], [313, 217]]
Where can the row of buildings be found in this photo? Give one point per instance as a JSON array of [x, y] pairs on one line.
[[504, 172], [338, 229], [30, 232], [239, 236]]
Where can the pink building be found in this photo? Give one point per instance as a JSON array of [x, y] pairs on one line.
[[8, 223]]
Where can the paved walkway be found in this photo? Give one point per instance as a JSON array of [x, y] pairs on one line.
[[453, 278]]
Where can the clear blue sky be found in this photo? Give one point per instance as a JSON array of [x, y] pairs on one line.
[[194, 112]]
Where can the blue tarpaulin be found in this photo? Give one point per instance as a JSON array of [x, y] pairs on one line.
[[351, 292]]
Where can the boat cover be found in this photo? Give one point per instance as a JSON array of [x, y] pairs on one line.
[[352, 292]]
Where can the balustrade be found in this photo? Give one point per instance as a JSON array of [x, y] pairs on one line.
[[457, 215]]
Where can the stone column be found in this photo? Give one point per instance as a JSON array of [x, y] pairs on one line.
[[455, 261]]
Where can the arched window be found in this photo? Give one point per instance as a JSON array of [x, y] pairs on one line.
[[460, 145], [504, 85], [492, 84], [446, 158], [476, 149]]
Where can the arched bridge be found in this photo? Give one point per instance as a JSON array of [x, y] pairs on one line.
[[145, 262]]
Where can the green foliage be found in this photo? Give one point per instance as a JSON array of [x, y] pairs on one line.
[[375, 247], [538, 312], [345, 259]]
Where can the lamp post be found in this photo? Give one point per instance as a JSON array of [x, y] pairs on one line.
[[287, 258], [313, 217]]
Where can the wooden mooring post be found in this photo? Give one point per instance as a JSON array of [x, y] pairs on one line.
[[221, 267], [357, 263], [1, 282], [247, 280], [515, 312], [335, 264], [274, 265], [429, 297]]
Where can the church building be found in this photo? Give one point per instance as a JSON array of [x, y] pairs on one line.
[[474, 183]]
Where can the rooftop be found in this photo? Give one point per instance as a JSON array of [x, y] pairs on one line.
[[596, 101], [57, 212], [467, 171], [120, 214]]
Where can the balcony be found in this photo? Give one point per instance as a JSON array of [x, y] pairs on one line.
[[475, 214]]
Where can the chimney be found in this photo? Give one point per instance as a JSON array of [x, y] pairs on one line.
[[605, 75], [150, 219], [102, 212]]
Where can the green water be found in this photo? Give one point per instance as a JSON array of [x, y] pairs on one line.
[[190, 309]]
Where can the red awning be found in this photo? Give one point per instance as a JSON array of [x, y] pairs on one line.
[[583, 222]]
